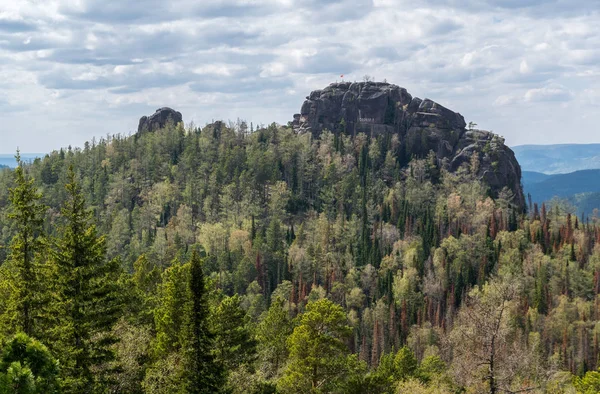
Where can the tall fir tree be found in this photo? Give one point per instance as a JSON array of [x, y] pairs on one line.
[[201, 374], [87, 297], [27, 213]]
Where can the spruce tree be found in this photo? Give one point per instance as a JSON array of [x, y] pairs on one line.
[[87, 298], [202, 373], [27, 214]]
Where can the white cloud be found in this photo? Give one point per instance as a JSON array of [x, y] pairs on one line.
[[275, 69], [504, 100], [87, 67], [550, 93], [467, 59]]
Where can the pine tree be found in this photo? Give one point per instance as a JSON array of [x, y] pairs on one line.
[[26, 366], [318, 360], [87, 304], [405, 364], [234, 340], [27, 213], [272, 334], [201, 372]]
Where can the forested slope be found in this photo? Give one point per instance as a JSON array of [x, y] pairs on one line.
[[219, 259]]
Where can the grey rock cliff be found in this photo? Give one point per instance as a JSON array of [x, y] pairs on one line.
[[159, 119], [377, 108]]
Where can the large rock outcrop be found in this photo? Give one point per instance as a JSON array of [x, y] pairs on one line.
[[159, 119], [376, 108]]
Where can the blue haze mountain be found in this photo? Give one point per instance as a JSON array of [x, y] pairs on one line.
[[558, 159]]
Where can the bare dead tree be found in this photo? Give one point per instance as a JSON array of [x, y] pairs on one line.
[[487, 349]]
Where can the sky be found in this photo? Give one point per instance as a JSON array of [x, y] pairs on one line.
[[71, 70]]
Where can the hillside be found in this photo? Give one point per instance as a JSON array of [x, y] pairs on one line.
[[381, 255], [568, 172], [530, 177], [581, 189], [8, 160], [558, 159]]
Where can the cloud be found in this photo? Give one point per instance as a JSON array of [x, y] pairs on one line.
[[7, 107], [15, 26], [104, 63], [547, 94]]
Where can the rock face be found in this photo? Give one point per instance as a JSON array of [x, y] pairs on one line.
[[159, 119], [377, 108]]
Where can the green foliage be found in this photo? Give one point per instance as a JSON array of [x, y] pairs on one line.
[[272, 333], [414, 386], [17, 380], [431, 369], [589, 383], [405, 364], [318, 353], [234, 336], [26, 366], [202, 372], [184, 342], [321, 258], [164, 376], [132, 356], [168, 317], [22, 308], [87, 302]]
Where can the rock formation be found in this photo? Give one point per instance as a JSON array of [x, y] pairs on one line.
[[159, 119], [377, 108]]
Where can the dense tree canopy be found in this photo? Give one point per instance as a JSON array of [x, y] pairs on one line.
[[216, 260]]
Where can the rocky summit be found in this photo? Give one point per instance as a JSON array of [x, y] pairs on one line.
[[376, 108], [159, 119]]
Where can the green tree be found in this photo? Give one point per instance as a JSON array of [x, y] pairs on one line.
[[589, 383], [145, 280], [201, 373], [17, 380], [26, 366], [393, 368], [27, 213], [168, 317], [234, 338], [318, 351], [431, 368], [87, 296], [405, 364], [272, 333]]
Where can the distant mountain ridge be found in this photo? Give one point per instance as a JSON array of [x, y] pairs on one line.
[[580, 188], [8, 159], [558, 159], [570, 172]]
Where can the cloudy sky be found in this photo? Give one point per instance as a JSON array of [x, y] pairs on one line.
[[73, 69]]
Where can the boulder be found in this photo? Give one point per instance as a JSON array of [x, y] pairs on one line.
[[159, 119], [423, 126]]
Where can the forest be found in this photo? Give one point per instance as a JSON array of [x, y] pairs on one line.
[[224, 259]]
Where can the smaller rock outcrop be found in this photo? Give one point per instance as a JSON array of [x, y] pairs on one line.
[[159, 119]]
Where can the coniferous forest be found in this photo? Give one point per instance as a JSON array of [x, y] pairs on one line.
[[225, 259]]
